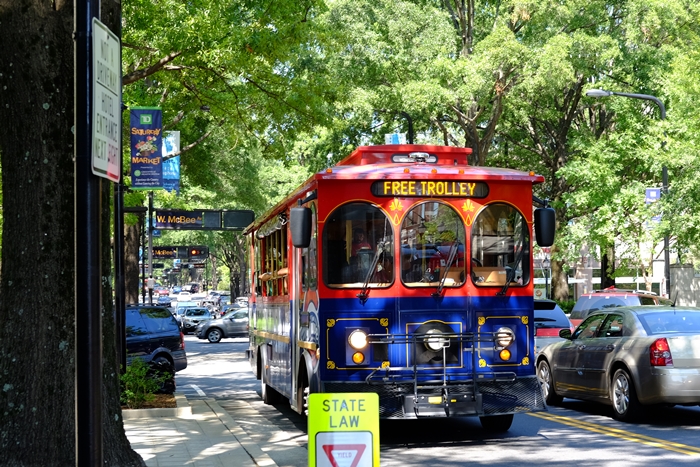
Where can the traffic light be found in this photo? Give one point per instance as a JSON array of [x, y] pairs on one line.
[[198, 252]]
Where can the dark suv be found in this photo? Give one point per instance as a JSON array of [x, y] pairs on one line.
[[153, 335], [608, 298]]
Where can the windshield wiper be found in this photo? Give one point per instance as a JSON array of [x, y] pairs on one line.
[[450, 260], [518, 259], [364, 293]]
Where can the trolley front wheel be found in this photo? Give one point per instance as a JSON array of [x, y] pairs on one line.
[[497, 423]]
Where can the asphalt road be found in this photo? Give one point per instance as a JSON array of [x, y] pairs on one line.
[[575, 434]]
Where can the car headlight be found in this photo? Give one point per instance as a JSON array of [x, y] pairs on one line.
[[504, 337], [358, 339], [435, 341]]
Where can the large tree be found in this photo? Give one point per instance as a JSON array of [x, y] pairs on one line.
[[37, 374]]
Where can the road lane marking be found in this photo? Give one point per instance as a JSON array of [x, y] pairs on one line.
[[199, 391], [622, 434]]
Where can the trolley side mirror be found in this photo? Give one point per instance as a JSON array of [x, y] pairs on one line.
[[300, 226], [545, 225]]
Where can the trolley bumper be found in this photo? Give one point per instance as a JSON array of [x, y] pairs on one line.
[[437, 393]]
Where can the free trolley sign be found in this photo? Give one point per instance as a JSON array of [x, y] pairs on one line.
[[344, 430]]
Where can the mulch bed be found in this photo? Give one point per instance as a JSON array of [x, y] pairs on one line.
[[161, 401]]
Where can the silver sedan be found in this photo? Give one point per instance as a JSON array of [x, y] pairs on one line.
[[233, 324], [627, 357]]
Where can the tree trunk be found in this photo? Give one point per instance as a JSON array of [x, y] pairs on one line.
[[132, 241], [607, 269], [37, 370]]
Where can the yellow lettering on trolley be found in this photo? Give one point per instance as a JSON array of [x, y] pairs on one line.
[[429, 188]]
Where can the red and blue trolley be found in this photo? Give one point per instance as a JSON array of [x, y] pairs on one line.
[[432, 309]]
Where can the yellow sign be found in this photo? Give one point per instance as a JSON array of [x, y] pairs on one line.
[[430, 188], [344, 430]]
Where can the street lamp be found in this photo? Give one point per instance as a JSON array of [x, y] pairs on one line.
[[546, 264], [664, 171]]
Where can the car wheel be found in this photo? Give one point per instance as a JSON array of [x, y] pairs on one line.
[[626, 406], [214, 335], [160, 367], [544, 374], [497, 423]]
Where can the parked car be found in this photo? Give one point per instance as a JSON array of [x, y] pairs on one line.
[[627, 357], [184, 297], [192, 317], [232, 324], [152, 334], [165, 301], [549, 320], [609, 298]]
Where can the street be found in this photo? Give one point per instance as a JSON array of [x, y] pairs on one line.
[[577, 433]]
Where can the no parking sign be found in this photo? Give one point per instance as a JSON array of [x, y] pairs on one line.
[[344, 430]]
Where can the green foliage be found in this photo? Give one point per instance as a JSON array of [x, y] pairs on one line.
[[566, 305], [138, 386]]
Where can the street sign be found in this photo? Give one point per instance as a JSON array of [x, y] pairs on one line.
[[106, 102], [343, 430]]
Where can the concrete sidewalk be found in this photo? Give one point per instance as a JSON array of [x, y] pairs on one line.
[[198, 433]]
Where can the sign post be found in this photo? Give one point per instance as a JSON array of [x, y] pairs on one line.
[[344, 430]]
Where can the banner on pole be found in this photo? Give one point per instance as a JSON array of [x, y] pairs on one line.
[[171, 164], [146, 148]]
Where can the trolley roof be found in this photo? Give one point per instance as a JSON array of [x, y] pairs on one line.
[[403, 161]]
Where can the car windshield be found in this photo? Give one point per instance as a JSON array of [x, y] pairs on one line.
[[198, 312], [551, 319], [671, 321], [586, 305]]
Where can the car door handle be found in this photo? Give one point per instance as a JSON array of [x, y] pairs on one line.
[[610, 347], [582, 347]]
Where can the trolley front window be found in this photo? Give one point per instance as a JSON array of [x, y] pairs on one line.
[[432, 246], [358, 245], [500, 247]]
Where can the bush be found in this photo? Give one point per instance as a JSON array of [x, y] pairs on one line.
[[567, 306], [140, 382]]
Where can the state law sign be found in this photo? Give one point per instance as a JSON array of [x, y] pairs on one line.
[[344, 430], [106, 102]]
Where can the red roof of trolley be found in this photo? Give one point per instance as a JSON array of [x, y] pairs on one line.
[[403, 162], [376, 162]]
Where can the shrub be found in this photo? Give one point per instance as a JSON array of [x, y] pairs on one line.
[[139, 384], [567, 306]]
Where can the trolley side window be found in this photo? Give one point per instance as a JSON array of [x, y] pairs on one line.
[[272, 263], [358, 244], [432, 246], [500, 247]]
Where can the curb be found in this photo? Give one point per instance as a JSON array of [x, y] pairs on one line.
[[183, 408], [251, 447]]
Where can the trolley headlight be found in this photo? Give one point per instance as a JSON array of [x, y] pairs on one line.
[[435, 341], [504, 337], [358, 339]]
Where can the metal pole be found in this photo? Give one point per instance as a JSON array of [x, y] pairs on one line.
[[664, 170], [88, 286], [150, 244], [143, 263]]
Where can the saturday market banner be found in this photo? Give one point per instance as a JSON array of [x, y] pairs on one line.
[[146, 147]]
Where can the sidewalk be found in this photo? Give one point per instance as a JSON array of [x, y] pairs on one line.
[[198, 433]]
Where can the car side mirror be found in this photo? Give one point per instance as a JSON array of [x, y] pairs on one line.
[[565, 333]]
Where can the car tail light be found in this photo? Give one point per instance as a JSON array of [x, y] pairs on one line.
[[660, 353], [182, 341], [547, 332]]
